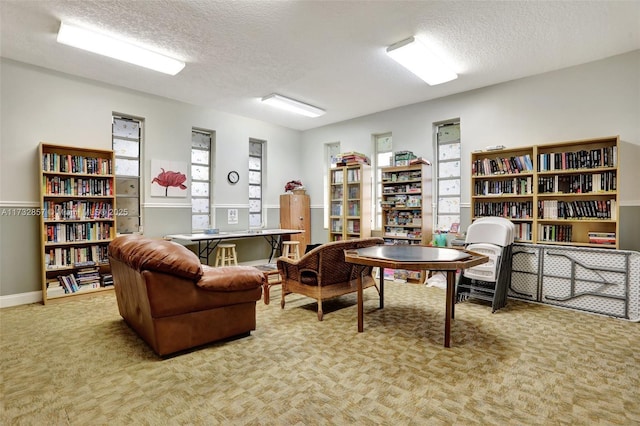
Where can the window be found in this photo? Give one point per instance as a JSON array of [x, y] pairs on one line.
[[201, 168], [256, 157], [331, 151], [383, 157], [126, 138], [448, 180]]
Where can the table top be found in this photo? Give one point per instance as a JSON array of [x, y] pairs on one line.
[[415, 257], [234, 234]]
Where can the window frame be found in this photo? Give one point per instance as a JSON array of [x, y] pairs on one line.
[[256, 142], [119, 177], [208, 181], [438, 223]]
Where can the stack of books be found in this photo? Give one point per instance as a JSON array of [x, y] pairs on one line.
[[349, 158], [605, 238], [107, 280], [87, 276]]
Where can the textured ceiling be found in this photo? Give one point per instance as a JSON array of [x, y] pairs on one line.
[[327, 53]]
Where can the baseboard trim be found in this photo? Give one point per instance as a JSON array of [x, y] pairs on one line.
[[20, 299]]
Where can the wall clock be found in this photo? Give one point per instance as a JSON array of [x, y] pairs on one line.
[[233, 177]]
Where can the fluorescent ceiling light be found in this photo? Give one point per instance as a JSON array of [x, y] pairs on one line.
[[117, 49], [292, 105], [417, 58]]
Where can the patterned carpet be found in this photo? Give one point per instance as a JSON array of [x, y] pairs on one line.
[[77, 363]]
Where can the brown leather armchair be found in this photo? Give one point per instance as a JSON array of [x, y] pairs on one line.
[[175, 303], [322, 273]]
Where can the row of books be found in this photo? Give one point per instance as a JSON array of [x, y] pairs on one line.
[[66, 284], [508, 209], [68, 257], [410, 175], [54, 185], [411, 233], [336, 209], [78, 231], [353, 208], [582, 159], [415, 187], [524, 231], [402, 201], [515, 186], [587, 209], [502, 165], [77, 210], [67, 163], [353, 226], [578, 184], [404, 218], [555, 233]]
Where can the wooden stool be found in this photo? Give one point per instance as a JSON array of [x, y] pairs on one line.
[[291, 249], [226, 254]]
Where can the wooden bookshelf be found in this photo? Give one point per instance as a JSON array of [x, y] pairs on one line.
[[77, 218], [350, 202], [406, 208], [560, 193]]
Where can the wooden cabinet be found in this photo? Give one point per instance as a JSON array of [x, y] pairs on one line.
[[77, 219], [406, 209], [560, 193], [350, 202], [295, 213]]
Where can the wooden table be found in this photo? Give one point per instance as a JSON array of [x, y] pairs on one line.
[[416, 258], [207, 243]]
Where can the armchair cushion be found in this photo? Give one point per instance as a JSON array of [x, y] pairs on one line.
[[144, 254], [230, 278]]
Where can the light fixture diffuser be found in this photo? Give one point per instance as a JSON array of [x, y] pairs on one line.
[[417, 58], [117, 49], [292, 105]]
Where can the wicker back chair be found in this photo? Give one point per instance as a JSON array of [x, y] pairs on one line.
[[322, 273]]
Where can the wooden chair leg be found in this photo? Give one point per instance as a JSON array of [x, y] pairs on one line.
[[320, 314]]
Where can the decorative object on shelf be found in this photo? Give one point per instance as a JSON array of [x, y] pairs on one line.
[[293, 186], [233, 177], [170, 178]]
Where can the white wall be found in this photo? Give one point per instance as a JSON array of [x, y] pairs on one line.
[[597, 99], [40, 105]]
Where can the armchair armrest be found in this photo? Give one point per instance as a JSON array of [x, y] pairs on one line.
[[303, 270]]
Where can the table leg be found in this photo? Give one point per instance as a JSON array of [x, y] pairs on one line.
[[381, 287], [274, 242], [451, 281], [360, 304]]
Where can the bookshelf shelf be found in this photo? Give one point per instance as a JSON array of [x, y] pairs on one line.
[[406, 209], [566, 196], [77, 220], [350, 202]]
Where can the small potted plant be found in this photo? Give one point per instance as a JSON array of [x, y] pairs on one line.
[[295, 186]]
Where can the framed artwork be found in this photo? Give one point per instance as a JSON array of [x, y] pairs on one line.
[[168, 178], [455, 227]]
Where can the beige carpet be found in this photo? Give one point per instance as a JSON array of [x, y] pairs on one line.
[[78, 363]]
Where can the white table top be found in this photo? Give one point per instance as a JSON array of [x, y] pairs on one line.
[[234, 234]]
